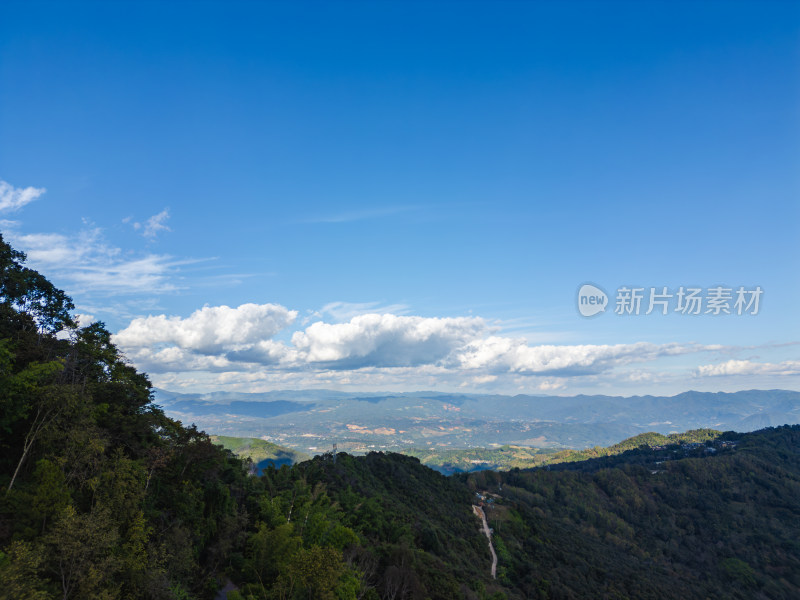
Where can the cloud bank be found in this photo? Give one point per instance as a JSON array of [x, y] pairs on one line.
[[503, 354], [747, 367], [254, 342]]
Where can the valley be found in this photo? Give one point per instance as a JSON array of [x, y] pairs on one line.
[[312, 421]]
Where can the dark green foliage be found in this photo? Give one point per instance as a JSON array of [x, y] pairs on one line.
[[101, 495], [27, 299], [698, 524], [398, 529], [261, 452]]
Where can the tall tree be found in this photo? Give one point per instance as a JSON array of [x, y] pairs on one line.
[[26, 294]]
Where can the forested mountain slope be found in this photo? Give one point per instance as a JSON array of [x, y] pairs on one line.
[[261, 452], [508, 457], [101, 495], [644, 525]]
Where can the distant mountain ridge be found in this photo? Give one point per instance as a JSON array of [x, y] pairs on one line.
[[312, 420]]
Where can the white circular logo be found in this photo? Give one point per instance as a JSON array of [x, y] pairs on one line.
[[591, 300]]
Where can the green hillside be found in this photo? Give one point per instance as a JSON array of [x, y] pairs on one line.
[[722, 524], [508, 457], [681, 521], [259, 450], [101, 495]]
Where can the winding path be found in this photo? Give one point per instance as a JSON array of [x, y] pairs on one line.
[[479, 513]]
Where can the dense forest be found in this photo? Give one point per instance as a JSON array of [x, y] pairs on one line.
[[715, 520], [103, 496], [261, 452]]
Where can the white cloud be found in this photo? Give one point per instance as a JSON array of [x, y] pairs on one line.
[[377, 351], [152, 226], [86, 262], [344, 311], [503, 354], [12, 198], [639, 376], [156, 223], [84, 320], [210, 330], [550, 385], [747, 367], [385, 340], [172, 359]]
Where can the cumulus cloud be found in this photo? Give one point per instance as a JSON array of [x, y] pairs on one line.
[[243, 335], [374, 350], [215, 339], [12, 198], [172, 359], [747, 367], [503, 354], [385, 340], [210, 330]]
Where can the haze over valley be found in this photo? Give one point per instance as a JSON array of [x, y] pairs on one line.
[[311, 421]]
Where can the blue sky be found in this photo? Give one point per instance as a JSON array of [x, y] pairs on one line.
[[408, 195]]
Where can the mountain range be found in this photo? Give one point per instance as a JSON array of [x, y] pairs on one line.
[[312, 421]]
